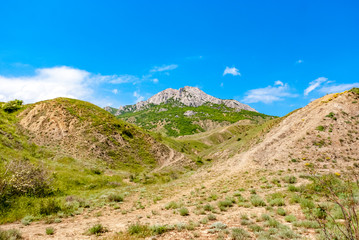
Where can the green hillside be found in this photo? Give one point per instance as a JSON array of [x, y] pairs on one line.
[[40, 180], [170, 119]]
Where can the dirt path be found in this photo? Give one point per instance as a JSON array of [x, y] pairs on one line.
[[75, 227]]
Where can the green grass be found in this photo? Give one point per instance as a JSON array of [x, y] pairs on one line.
[[97, 229]]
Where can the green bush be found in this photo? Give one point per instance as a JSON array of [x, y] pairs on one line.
[[50, 206], [172, 205], [239, 234], [183, 211], [97, 229], [290, 218], [139, 230], [113, 197], [257, 201], [12, 234], [290, 179], [12, 106], [281, 212], [50, 231]]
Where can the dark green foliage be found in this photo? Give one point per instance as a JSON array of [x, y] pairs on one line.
[[49, 206], [354, 90], [12, 106], [320, 128], [178, 125], [331, 115]]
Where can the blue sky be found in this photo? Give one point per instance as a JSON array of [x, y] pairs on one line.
[[275, 56]]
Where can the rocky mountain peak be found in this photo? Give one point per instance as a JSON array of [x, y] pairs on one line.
[[189, 96]]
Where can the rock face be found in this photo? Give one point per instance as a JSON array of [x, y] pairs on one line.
[[189, 96]]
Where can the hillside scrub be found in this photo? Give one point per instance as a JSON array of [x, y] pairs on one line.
[[177, 124]]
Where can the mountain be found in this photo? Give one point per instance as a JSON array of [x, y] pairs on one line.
[[188, 96], [186, 111]]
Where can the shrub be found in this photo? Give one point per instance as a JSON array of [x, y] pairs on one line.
[[307, 224], [239, 234], [292, 188], [12, 234], [23, 178], [256, 228], [208, 207], [219, 225], [277, 202], [159, 229], [320, 128], [257, 201], [12, 106], [290, 179], [226, 203], [212, 217], [290, 218], [281, 212], [49, 206], [140, 230], [183, 211], [27, 220], [172, 205], [97, 229], [50, 231], [113, 197]]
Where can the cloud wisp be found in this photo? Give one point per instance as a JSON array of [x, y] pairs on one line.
[[232, 71], [164, 68], [269, 94], [338, 88], [314, 84]]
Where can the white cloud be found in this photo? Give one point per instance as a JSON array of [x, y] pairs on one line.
[[338, 88], [314, 84], [299, 61], [138, 97], [47, 83], [63, 81], [268, 94], [233, 71], [280, 83], [155, 80], [164, 68]]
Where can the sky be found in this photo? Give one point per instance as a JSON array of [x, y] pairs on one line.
[[275, 56]]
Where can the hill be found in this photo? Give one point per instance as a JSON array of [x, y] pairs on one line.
[[61, 147], [186, 111], [287, 178]]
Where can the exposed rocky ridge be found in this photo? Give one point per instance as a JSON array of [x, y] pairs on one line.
[[189, 96]]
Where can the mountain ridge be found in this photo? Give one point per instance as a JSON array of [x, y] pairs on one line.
[[189, 96]]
